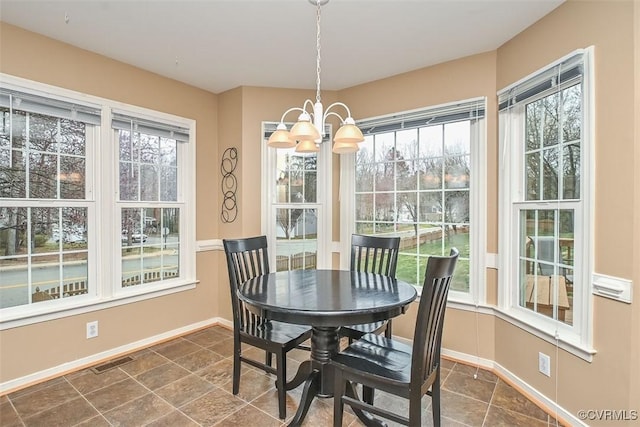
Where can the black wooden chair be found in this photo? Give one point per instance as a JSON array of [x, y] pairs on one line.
[[246, 259], [408, 371], [372, 254]]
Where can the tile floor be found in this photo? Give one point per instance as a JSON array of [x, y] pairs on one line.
[[187, 382]]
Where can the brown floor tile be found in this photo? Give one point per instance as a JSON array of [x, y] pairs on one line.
[[8, 416], [472, 370], [220, 373], [116, 394], [162, 376], [185, 390], [98, 421], [143, 362], [249, 416], [462, 409], [44, 398], [252, 384], [173, 419], [87, 381], [36, 387], [223, 348], [139, 412], [212, 407], [268, 402], [200, 359], [67, 414], [509, 398], [177, 348], [499, 417], [446, 363], [465, 384], [207, 337]]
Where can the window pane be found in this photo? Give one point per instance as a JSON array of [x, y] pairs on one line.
[[457, 171], [128, 181], [72, 177], [546, 285], [384, 147], [572, 113], [532, 176], [149, 181], [43, 170], [43, 133], [296, 239], [430, 173], [571, 171], [551, 166], [430, 145], [457, 138]]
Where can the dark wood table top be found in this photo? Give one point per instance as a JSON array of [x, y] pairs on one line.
[[329, 298]]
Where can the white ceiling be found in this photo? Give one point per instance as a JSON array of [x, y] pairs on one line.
[[221, 44]]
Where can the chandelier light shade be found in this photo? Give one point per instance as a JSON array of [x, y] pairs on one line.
[[307, 146], [307, 132]]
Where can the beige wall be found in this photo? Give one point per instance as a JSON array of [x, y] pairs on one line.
[[232, 119], [30, 349]]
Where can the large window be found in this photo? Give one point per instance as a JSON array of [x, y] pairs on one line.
[[546, 143], [414, 178], [296, 188], [78, 198]]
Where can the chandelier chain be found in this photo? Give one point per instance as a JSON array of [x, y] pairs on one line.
[[318, 52]]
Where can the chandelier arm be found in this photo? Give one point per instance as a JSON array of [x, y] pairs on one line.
[[337, 104], [290, 110], [332, 113]]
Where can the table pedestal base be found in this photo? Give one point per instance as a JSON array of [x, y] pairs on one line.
[[318, 375]]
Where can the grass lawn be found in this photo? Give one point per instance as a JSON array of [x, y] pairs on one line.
[[412, 263]]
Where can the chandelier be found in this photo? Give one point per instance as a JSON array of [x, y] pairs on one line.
[[307, 132]]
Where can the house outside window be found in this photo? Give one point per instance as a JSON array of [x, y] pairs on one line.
[[545, 190], [78, 197], [417, 176]]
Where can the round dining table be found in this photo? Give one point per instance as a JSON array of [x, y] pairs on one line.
[[326, 300]]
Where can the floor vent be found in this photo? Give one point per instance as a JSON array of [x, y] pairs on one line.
[[110, 365]]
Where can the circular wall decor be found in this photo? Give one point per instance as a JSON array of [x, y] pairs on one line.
[[229, 185]]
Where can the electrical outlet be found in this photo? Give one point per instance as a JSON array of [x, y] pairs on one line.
[[544, 364], [92, 329]]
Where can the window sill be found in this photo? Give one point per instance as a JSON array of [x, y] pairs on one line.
[[87, 306]]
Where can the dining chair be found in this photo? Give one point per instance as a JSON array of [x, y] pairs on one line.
[[408, 371], [372, 254], [246, 259]]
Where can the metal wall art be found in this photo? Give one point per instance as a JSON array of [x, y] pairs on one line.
[[229, 185]]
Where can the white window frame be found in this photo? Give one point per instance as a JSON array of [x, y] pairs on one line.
[[323, 203], [104, 228], [477, 206], [576, 338]]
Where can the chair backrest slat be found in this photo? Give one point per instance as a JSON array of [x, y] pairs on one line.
[[246, 259], [374, 254], [427, 337]]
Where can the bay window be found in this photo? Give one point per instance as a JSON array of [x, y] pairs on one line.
[[89, 210]]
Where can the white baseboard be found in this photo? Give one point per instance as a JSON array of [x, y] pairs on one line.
[[84, 362]]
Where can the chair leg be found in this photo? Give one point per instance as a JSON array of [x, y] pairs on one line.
[[415, 410], [339, 388], [435, 399], [281, 373], [268, 357], [236, 367]]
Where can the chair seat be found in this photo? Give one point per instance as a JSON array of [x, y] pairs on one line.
[[284, 334], [357, 331], [379, 356]]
